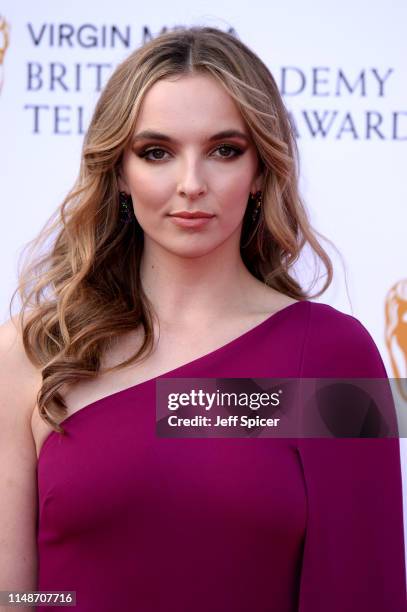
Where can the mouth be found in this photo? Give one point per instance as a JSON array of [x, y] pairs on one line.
[[189, 221], [192, 215]]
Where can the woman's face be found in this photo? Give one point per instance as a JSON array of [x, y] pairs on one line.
[[187, 166]]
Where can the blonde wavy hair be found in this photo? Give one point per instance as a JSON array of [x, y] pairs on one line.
[[85, 291]]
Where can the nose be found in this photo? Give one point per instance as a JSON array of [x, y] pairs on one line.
[[191, 183]]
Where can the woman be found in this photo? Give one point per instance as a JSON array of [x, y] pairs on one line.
[[173, 257]]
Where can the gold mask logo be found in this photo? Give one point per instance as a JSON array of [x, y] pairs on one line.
[[4, 42], [396, 333]]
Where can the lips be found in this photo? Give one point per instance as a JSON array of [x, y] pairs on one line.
[[193, 215]]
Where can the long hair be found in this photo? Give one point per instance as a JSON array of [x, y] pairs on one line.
[[85, 291]]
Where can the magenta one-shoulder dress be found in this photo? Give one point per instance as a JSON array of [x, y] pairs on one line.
[[135, 522]]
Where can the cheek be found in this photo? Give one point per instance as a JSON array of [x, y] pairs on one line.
[[149, 190], [228, 188], [234, 197], [234, 187]]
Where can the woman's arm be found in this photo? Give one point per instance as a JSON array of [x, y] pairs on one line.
[[18, 487], [354, 547]]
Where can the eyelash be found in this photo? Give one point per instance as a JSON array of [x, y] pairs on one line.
[[237, 152]]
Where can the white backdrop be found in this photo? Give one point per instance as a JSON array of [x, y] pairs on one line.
[[341, 69]]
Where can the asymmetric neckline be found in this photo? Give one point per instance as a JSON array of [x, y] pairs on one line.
[[226, 522], [231, 344]]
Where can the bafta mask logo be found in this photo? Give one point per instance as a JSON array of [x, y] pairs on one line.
[[396, 333], [4, 42]]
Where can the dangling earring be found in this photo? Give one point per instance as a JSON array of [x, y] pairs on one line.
[[257, 197], [125, 207]]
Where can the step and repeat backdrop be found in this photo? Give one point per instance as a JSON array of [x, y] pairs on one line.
[[342, 72]]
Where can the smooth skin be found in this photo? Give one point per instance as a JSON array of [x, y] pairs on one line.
[[202, 293], [19, 382], [193, 275]]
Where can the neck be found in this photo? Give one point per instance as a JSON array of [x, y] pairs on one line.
[[204, 287]]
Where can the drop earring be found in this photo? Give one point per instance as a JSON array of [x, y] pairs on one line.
[[125, 207], [257, 197]]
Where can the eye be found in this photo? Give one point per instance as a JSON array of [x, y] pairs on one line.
[[146, 153], [229, 148]]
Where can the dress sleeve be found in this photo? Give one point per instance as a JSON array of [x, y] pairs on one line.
[[353, 557]]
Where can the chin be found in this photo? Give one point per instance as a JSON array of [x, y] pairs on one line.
[[191, 251]]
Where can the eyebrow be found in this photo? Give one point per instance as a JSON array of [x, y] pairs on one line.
[[150, 134]]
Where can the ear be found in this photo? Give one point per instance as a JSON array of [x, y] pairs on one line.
[[258, 181], [257, 184], [121, 182]]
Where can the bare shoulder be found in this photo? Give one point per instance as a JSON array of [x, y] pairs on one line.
[[270, 300], [20, 380]]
